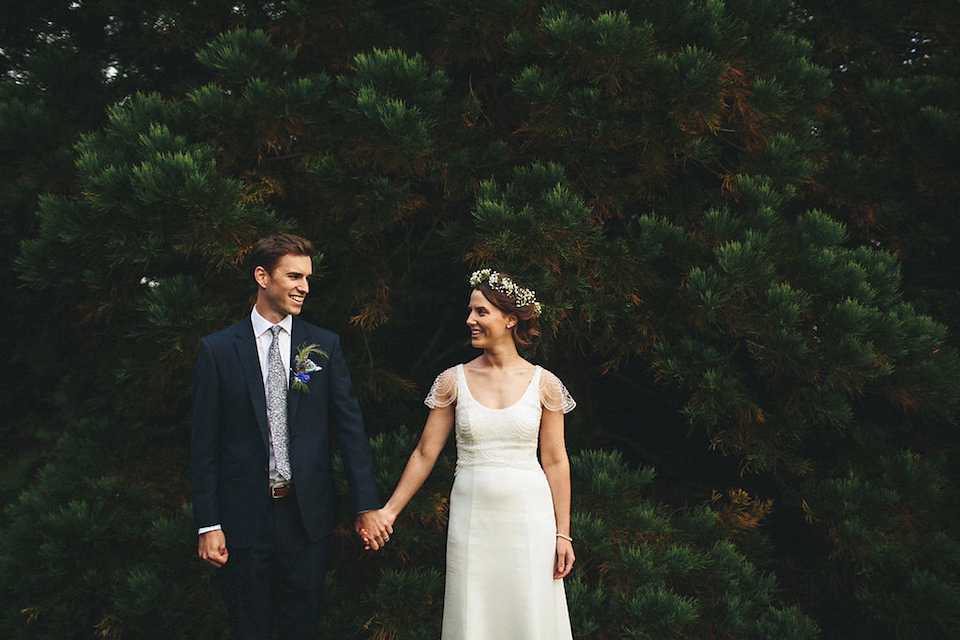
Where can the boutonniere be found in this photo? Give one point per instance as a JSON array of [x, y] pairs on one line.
[[303, 366]]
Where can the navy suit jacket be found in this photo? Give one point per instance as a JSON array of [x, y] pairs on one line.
[[230, 436]]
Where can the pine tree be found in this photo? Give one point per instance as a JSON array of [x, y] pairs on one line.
[[892, 131], [654, 169]]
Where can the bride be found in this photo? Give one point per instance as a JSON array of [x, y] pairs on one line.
[[508, 540]]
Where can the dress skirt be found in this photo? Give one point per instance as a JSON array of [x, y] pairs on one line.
[[501, 549]]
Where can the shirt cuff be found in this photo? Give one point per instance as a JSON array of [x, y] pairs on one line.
[[203, 530]]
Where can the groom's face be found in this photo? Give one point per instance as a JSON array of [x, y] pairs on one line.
[[283, 290]]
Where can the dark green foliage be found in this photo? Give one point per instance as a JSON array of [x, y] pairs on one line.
[[155, 173], [636, 118], [788, 333], [646, 571], [91, 551], [713, 200], [890, 529], [891, 173]]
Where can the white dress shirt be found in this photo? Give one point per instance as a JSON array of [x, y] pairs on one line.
[[261, 331]]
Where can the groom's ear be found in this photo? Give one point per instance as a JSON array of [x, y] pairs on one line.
[[261, 276]]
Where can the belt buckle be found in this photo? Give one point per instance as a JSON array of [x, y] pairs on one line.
[[280, 491]]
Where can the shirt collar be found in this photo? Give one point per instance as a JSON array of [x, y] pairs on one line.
[[261, 325]]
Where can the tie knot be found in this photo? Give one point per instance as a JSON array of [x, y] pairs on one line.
[[275, 330]]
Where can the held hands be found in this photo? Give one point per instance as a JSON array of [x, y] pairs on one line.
[[565, 558], [212, 548], [374, 528]]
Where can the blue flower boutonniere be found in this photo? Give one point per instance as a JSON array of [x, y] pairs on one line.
[[303, 366]]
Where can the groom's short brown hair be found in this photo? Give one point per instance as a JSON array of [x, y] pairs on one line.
[[267, 251]]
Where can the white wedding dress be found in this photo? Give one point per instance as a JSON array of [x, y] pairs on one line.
[[501, 542]]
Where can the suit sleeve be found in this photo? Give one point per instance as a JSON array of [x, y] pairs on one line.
[[347, 422], [205, 439]]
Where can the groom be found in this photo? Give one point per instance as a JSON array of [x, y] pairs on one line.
[[260, 452]]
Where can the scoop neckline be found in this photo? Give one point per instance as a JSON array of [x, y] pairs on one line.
[[466, 386]]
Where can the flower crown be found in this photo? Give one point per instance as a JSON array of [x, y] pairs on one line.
[[503, 284]]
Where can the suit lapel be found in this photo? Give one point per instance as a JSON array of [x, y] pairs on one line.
[[298, 336], [246, 345]]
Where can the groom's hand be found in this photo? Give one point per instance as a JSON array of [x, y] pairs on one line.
[[212, 548]]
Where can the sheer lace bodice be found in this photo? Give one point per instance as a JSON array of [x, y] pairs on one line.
[[507, 436], [553, 395], [497, 436]]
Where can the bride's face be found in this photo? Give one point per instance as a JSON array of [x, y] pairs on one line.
[[488, 325]]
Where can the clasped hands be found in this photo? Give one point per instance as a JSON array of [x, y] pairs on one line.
[[374, 528]]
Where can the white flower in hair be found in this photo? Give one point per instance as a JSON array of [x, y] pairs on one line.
[[503, 284]]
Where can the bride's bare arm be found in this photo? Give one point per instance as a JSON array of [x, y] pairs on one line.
[[556, 466], [434, 437]]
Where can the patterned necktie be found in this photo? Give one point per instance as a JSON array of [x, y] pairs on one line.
[[277, 405]]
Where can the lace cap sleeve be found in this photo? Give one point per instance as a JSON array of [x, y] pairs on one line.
[[553, 395], [443, 393]]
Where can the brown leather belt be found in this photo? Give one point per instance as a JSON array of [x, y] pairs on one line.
[[281, 492]]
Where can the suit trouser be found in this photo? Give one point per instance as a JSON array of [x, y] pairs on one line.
[[277, 584]]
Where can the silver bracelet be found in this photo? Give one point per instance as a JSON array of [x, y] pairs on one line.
[[568, 538]]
